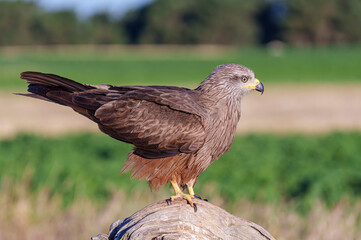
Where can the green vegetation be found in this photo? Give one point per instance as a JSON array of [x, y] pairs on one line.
[[293, 65], [237, 22], [266, 168]]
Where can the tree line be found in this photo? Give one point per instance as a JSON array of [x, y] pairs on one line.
[[236, 22]]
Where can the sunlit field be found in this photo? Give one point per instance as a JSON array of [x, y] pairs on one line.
[[297, 186], [25, 215], [294, 166], [184, 66], [272, 180], [266, 168]]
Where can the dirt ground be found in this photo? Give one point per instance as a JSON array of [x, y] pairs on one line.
[[281, 109]]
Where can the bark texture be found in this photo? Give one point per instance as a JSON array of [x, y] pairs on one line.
[[177, 220]]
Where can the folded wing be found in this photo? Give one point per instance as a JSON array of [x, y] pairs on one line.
[[160, 121]]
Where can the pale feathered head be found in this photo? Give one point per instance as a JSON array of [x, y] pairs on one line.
[[231, 79]]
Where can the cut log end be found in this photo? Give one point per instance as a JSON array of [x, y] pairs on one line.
[[178, 220]]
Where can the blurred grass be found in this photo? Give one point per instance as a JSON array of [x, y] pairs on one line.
[[262, 168], [25, 215], [186, 68]]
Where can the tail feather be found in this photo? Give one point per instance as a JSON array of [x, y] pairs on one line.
[[62, 91], [52, 87], [33, 95], [46, 79]]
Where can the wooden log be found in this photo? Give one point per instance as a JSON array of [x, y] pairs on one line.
[[178, 220]]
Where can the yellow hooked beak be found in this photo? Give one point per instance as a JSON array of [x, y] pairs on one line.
[[258, 86]]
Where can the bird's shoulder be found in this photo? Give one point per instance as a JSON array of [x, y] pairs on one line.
[[176, 98]]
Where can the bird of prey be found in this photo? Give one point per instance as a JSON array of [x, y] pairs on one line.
[[176, 132]]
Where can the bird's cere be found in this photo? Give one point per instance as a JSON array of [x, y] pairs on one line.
[[253, 86]]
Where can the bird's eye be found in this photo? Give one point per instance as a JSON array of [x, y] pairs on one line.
[[244, 79]]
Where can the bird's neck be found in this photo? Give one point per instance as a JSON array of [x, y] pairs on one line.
[[221, 106], [214, 97]]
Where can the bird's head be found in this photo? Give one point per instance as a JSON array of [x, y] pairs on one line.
[[232, 79]]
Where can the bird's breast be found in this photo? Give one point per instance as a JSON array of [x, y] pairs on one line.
[[221, 128]]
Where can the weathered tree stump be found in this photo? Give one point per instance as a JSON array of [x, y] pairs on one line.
[[178, 220]]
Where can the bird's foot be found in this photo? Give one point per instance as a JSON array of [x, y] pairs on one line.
[[180, 194], [187, 197]]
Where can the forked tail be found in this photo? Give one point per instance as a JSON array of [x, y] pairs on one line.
[[51, 87]]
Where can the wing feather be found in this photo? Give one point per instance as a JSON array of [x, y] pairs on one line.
[[155, 130], [160, 121]]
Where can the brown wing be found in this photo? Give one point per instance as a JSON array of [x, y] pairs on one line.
[[177, 98], [160, 121], [155, 130]]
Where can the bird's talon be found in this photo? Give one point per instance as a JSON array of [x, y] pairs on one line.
[[195, 207], [205, 199], [189, 199], [197, 196]]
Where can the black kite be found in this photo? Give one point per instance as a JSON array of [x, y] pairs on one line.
[[177, 132]]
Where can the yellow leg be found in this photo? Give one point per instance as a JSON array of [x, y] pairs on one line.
[[190, 190], [180, 194], [176, 188]]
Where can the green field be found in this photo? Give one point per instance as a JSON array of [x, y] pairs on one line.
[[72, 182], [264, 168], [187, 68]]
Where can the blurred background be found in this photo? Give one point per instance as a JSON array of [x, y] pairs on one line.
[[295, 164]]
